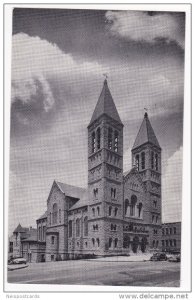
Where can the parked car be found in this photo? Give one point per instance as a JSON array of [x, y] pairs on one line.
[[175, 258], [158, 256], [19, 260]]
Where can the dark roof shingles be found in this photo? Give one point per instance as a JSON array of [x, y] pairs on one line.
[[146, 134], [105, 105]]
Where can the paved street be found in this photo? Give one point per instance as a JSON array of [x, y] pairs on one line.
[[94, 272]]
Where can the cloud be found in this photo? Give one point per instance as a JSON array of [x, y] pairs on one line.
[[140, 26], [172, 187], [36, 65], [32, 56], [32, 90]]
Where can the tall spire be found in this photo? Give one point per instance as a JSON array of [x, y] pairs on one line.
[[146, 134], [105, 105]]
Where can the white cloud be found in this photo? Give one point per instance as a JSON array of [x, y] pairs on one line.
[[34, 62], [140, 26], [32, 56], [172, 187], [33, 89]]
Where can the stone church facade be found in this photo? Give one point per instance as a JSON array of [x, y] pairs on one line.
[[119, 212]]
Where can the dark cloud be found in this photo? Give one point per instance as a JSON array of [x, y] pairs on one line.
[[71, 29]]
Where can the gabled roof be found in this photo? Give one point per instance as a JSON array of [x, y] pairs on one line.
[[146, 134], [70, 190], [44, 216], [19, 228], [83, 201], [132, 172], [31, 236], [105, 105]]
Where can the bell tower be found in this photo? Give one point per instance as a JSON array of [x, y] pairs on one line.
[[146, 157], [105, 176]]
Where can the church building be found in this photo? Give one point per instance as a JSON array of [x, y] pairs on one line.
[[118, 213]]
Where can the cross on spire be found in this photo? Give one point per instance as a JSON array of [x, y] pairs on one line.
[[146, 112], [105, 75]]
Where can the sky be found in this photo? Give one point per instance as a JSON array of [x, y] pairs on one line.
[[58, 61]]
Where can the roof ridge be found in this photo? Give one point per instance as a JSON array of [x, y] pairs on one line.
[[70, 185]]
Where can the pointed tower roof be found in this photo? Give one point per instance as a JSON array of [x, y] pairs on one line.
[[19, 228], [105, 105], [146, 134]]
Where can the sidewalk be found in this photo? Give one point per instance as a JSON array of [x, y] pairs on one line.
[[131, 258], [16, 267]]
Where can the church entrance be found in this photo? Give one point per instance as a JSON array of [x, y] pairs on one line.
[[143, 244], [126, 242], [135, 244]]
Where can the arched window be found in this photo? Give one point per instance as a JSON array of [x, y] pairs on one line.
[[110, 242], [143, 160], [95, 192], [156, 162], [113, 227], [153, 244], [132, 205], [140, 210], [70, 228], [86, 226], [98, 211], [39, 233], [93, 142], [156, 219], [114, 192], [137, 162], [110, 210], [116, 141], [152, 160], [93, 242], [59, 215], [126, 206], [44, 232], [115, 211], [77, 227], [110, 138], [55, 213], [93, 212], [115, 243], [98, 242], [98, 139]]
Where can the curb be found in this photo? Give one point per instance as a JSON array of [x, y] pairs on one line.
[[23, 267], [111, 261]]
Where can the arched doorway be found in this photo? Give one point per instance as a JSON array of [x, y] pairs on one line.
[[126, 241], [143, 244], [135, 244]]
